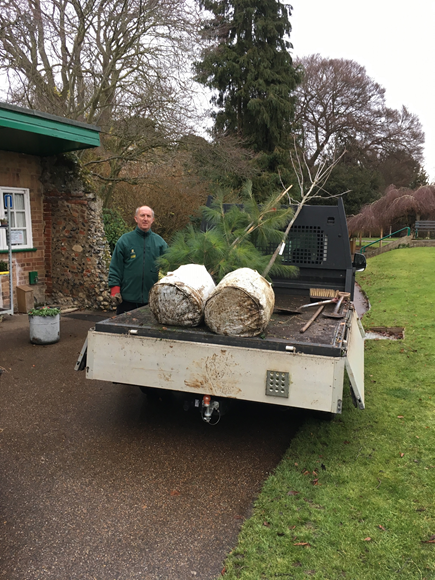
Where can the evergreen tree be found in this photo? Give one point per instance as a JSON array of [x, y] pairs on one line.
[[240, 236], [251, 69]]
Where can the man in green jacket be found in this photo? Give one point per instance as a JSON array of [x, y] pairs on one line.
[[133, 269]]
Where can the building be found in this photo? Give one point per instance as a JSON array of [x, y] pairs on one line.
[[57, 236]]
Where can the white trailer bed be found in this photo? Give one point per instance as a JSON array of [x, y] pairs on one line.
[[291, 369]]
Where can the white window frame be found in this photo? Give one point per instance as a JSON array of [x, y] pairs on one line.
[[28, 217]]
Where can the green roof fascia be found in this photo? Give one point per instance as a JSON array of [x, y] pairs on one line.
[[48, 133]]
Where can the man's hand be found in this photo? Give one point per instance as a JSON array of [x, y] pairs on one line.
[[117, 298], [115, 293]]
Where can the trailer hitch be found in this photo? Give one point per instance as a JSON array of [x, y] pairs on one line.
[[209, 409]]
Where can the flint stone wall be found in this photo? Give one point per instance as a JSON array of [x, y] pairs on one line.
[[76, 251]]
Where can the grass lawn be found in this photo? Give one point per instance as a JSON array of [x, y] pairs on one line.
[[354, 497]]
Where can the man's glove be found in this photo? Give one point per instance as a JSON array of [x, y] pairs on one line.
[[115, 293]]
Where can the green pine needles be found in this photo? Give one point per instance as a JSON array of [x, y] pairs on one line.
[[237, 236]]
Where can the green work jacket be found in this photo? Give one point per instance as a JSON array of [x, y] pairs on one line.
[[133, 265]]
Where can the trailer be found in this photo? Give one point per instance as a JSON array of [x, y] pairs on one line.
[[286, 365]]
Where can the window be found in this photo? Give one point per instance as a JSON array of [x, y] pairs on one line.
[[21, 223]]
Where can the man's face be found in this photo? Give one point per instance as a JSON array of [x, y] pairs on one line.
[[144, 218]]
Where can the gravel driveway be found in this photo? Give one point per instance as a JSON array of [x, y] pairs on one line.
[[97, 483]]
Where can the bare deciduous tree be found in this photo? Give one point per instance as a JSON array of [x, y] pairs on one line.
[[121, 65], [338, 104], [311, 182], [89, 59]]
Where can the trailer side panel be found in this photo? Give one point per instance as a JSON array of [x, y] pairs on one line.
[[314, 382]]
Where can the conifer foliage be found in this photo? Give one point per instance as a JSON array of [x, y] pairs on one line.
[[249, 66], [236, 236]]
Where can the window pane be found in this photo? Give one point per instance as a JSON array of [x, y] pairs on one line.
[[20, 219], [12, 220], [18, 201], [19, 237]]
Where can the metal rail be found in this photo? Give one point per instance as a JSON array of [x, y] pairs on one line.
[[363, 248]]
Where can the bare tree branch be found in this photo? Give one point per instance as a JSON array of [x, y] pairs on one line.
[[76, 57], [121, 64], [317, 178], [339, 104]]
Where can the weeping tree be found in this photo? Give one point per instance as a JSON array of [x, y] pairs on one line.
[[401, 207], [236, 236]]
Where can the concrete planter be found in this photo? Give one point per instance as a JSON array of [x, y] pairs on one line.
[[44, 329]]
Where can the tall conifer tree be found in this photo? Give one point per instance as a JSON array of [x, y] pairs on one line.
[[250, 67]]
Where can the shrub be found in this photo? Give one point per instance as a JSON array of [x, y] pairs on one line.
[[114, 226], [44, 311]]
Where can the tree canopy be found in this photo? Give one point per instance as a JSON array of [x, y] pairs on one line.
[[127, 68], [120, 65], [340, 109], [249, 66], [93, 61], [398, 207], [340, 106]]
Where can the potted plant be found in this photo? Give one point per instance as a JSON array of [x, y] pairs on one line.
[[3, 222], [4, 267], [44, 325]]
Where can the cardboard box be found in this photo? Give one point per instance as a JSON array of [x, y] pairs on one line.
[[25, 298]]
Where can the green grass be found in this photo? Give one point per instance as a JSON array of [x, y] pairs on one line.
[[359, 490]]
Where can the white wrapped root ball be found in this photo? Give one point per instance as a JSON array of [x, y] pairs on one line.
[[240, 305], [179, 298]]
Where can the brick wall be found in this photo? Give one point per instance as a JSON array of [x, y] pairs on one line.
[[70, 251], [23, 171]]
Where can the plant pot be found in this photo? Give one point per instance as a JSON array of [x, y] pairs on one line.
[[44, 329]]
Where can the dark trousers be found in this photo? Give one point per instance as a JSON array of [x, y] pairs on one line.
[[127, 306]]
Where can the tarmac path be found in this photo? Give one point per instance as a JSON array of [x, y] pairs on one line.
[[97, 483]]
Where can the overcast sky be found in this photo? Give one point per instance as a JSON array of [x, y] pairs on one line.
[[392, 39]]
